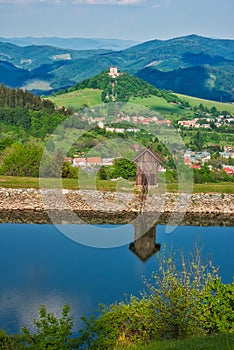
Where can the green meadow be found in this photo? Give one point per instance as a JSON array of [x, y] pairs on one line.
[[78, 98], [195, 102], [159, 104], [92, 97], [215, 342], [108, 185]]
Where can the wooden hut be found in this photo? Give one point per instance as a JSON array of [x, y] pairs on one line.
[[147, 163]]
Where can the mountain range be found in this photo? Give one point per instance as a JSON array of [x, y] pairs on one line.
[[73, 43], [194, 65]]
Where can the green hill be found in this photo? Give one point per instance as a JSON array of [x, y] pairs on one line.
[[121, 88], [167, 64], [202, 81], [94, 91]]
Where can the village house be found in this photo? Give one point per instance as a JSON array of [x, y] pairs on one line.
[[107, 161], [93, 161], [80, 162], [229, 169], [189, 123], [68, 160], [228, 148], [191, 157], [225, 154]]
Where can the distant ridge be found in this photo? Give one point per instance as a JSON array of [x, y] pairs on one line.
[[73, 43], [194, 65]]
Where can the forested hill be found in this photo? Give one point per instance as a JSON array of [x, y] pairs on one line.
[[121, 88], [22, 113], [18, 98]]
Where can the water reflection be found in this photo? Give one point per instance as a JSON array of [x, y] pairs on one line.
[[39, 265], [144, 245]]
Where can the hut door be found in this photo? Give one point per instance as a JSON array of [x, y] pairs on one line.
[[152, 180], [144, 183]]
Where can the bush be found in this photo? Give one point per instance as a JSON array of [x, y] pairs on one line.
[[21, 160], [182, 301], [120, 324], [52, 332], [217, 307]]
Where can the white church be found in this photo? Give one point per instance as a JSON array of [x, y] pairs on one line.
[[114, 72]]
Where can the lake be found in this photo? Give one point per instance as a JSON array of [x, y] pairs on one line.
[[40, 265]]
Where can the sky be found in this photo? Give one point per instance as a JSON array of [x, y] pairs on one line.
[[139, 20]]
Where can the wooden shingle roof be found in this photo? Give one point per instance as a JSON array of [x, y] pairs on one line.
[[154, 154]]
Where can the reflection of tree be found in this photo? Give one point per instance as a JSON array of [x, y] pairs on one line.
[[144, 245]]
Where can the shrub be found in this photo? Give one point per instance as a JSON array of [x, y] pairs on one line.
[[181, 301], [120, 324], [52, 332], [217, 307]]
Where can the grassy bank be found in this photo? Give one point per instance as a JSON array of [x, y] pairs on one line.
[[108, 185], [217, 342]]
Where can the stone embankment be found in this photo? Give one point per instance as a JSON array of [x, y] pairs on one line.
[[105, 206], [84, 200]]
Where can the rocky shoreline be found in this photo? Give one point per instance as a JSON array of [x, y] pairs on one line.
[[62, 206]]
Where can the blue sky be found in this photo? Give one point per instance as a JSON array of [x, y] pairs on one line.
[[139, 20]]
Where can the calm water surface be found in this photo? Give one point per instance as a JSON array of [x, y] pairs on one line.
[[39, 265]]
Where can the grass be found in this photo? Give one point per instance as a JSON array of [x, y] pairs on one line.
[[216, 342], [33, 182], [194, 101], [108, 185], [76, 99], [92, 97], [158, 104]]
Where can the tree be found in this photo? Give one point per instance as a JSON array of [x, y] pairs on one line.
[[102, 174], [52, 332], [21, 160], [124, 168], [198, 141]]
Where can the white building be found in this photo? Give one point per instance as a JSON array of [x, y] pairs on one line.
[[114, 72]]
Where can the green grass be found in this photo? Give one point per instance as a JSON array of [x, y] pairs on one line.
[[107, 185], [33, 182], [216, 342], [194, 101], [78, 98], [159, 104], [92, 97], [222, 187]]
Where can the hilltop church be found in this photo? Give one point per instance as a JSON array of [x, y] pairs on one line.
[[114, 72]]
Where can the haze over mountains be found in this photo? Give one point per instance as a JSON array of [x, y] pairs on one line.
[[193, 65], [73, 43]]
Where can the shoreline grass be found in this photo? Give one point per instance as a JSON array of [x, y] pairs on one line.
[[108, 185], [214, 342]]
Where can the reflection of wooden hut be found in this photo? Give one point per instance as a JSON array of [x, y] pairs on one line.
[[144, 245], [147, 163]]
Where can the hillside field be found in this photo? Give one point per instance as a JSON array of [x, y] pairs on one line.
[[76, 99], [159, 104], [92, 97], [194, 101]]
